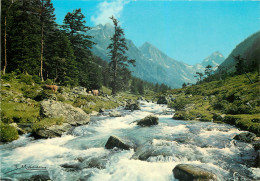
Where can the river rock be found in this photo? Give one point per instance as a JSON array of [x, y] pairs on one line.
[[115, 114], [101, 110], [130, 105], [99, 163], [162, 100], [186, 172], [245, 137], [148, 121], [55, 109], [38, 177], [51, 132], [71, 167], [114, 141]]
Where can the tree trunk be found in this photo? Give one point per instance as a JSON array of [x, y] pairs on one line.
[[42, 42], [5, 48], [114, 77]]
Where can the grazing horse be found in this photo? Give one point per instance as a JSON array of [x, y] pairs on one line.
[[95, 92], [54, 88]]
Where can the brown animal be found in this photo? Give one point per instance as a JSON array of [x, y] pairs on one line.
[[89, 92], [54, 88], [95, 92]]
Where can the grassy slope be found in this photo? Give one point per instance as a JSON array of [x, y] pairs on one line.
[[20, 104], [236, 98]]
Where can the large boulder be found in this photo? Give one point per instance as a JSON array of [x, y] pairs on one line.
[[245, 137], [132, 105], [72, 115], [186, 172], [114, 141], [162, 100], [148, 121], [53, 109]]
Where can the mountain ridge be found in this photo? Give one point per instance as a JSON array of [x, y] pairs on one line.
[[152, 64]]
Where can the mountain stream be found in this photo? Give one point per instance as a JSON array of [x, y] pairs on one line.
[[81, 155]]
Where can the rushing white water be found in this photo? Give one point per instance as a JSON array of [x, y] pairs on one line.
[[82, 156]]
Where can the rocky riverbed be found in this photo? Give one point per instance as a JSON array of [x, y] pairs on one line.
[[117, 148]]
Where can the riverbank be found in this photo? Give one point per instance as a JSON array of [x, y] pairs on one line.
[[233, 101], [23, 111]]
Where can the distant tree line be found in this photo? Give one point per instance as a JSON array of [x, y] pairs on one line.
[[242, 66], [33, 43]]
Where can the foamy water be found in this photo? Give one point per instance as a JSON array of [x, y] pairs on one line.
[[158, 150]]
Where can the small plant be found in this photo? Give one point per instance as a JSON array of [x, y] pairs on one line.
[[8, 133]]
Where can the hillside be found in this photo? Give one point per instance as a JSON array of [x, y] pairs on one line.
[[233, 101], [248, 49]]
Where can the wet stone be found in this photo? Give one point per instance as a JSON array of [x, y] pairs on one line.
[[245, 137], [114, 141], [186, 172], [148, 121]]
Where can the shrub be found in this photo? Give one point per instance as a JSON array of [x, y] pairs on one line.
[[29, 92], [8, 76], [48, 81], [36, 79], [26, 79], [44, 94], [8, 133], [181, 115], [179, 103], [60, 98]]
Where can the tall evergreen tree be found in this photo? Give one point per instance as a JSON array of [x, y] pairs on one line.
[[75, 28], [240, 65], [23, 48], [48, 27], [119, 60]]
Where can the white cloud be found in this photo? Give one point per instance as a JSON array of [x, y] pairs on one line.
[[108, 8]]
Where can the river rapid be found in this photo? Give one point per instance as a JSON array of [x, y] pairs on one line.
[[81, 155]]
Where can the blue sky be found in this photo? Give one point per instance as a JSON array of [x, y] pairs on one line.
[[187, 31]]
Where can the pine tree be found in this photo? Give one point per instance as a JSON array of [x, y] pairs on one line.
[[208, 70], [48, 27], [24, 51], [76, 30], [140, 87], [117, 52], [240, 66], [199, 75]]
